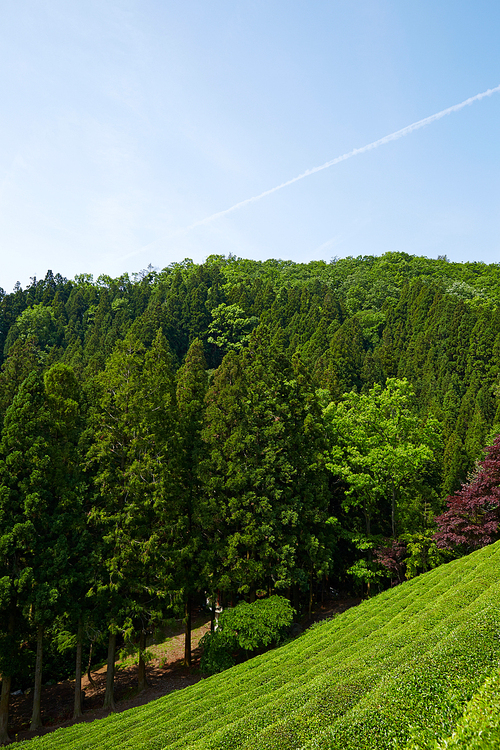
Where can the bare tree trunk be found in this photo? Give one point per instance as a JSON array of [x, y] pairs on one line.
[[142, 681], [4, 709], [109, 698], [77, 711], [187, 632], [296, 601], [89, 675], [36, 716], [5, 696], [367, 520], [393, 513]]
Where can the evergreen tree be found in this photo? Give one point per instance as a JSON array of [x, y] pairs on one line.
[[40, 496], [191, 389], [264, 479], [132, 425]]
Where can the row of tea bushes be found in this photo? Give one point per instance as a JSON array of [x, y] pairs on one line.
[[479, 727], [397, 671]]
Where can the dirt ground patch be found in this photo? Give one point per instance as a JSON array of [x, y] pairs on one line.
[[165, 673]]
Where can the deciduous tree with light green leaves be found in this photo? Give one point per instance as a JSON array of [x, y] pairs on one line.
[[382, 449]]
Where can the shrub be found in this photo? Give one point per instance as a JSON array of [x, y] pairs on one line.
[[248, 627]]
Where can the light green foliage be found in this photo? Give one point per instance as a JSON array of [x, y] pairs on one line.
[[38, 323], [246, 626], [381, 447], [230, 328], [423, 553], [395, 672]]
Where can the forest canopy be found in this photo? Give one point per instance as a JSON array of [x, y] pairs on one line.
[[232, 431]]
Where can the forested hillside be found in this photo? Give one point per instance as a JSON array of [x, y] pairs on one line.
[[233, 430]]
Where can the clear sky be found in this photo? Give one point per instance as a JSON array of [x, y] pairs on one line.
[[124, 122]]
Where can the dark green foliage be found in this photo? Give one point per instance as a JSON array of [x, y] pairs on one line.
[[264, 472], [217, 653]]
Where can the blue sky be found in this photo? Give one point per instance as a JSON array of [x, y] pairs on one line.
[[123, 123]]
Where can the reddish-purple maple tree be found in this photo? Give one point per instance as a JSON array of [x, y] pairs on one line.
[[392, 557], [472, 519]]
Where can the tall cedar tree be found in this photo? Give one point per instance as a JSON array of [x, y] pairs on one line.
[[191, 389], [266, 490], [133, 424], [40, 504]]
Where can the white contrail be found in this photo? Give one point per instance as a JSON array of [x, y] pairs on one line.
[[355, 151], [386, 139]]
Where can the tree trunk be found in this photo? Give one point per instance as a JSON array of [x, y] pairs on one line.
[[187, 633], [4, 709], [5, 696], [296, 601], [109, 698], [89, 675], [212, 616], [77, 711], [142, 681], [393, 513], [367, 520], [36, 716]]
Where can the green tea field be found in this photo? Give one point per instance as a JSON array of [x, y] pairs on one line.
[[414, 667]]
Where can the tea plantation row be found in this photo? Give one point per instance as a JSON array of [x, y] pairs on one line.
[[395, 672], [479, 727]]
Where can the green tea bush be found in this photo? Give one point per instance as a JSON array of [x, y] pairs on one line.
[[479, 727]]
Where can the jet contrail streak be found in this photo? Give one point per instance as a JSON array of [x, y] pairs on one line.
[[381, 141], [355, 151]]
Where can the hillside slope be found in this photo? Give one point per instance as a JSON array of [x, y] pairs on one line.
[[395, 672]]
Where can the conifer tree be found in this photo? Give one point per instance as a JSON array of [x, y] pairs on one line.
[[191, 389], [133, 423], [263, 472], [40, 497]]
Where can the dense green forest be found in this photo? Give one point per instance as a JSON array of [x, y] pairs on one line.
[[228, 431]]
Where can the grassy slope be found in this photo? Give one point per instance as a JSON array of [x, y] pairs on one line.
[[395, 672]]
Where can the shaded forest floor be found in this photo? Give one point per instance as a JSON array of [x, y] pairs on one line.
[[165, 673]]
